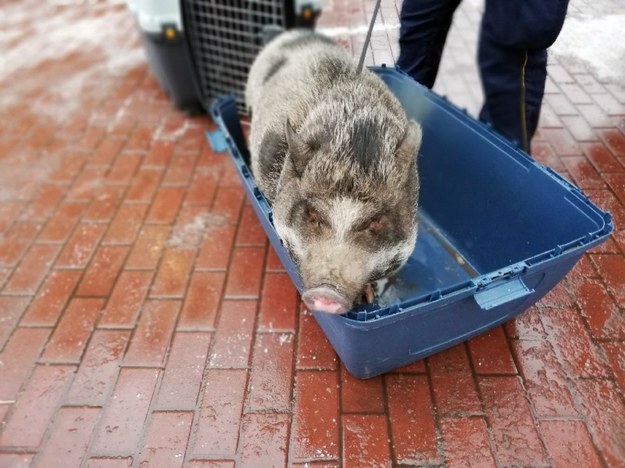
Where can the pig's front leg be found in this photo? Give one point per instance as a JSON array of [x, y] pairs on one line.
[[369, 294]]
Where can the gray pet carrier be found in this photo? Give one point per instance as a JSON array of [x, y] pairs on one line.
[[203, 49]]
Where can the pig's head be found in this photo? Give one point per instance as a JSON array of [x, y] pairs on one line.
[[346, 206]]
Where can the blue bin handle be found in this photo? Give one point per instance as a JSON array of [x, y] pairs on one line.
[[502, 292]]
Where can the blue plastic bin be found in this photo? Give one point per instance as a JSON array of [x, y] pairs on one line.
[[497, 232]]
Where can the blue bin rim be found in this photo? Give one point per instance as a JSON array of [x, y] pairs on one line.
[[240, 156]]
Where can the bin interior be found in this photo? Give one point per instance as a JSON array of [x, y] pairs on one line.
[[484, 206]]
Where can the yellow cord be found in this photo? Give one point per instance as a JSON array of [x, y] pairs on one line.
[[526, 143]]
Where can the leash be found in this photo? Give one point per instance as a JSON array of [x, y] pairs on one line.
[[363, 54]]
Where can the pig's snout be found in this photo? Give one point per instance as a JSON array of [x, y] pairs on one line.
[[327, 299]]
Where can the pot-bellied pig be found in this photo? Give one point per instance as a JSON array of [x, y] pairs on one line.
[[336, 157]]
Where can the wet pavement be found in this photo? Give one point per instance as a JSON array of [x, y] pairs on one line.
[[145, 321]]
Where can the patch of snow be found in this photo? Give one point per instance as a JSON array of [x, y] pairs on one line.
[[172, 135], [192, 234], [66, 30], [596, 42], [343, 31]]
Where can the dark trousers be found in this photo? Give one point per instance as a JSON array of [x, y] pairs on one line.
[[512, 55]]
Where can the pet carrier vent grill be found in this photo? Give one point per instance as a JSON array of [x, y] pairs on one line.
[[225, 36]]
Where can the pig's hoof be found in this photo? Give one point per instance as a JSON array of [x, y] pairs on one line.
[[368, 294]]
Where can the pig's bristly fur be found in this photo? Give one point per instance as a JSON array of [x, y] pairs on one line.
[[335, 155]]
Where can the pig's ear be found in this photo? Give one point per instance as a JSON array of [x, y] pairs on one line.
[[410, 144], [299, 151]]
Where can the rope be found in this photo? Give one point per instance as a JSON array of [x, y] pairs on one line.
[[368, 38]]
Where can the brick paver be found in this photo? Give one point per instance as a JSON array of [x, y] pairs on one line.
[[145, 320]]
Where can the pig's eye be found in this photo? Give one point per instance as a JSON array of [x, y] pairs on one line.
[[379, 223], [314, 217], [376, 224]]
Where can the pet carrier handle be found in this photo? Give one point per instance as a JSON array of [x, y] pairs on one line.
[[368, 38]]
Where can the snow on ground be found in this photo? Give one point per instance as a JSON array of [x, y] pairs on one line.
[[598, 42]]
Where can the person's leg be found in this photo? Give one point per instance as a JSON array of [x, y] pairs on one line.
[[514, 84], [422, 34], [512, 57]]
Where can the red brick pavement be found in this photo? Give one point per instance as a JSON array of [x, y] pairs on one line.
[[130, 337]]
